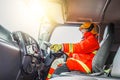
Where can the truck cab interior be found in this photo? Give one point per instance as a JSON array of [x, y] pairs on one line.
[[99, 12], [22, 56]]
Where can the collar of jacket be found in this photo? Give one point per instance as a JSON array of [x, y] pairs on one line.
[[87, 34]]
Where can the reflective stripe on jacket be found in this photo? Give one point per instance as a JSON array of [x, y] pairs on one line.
[[83, 52]]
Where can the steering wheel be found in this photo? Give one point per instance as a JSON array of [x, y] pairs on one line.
[[52, 55], [48, 44], [30, 51]]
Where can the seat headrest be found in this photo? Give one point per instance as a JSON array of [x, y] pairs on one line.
[[105, 32], [109, 29]]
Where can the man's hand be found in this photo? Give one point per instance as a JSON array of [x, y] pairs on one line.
[[56, 47]]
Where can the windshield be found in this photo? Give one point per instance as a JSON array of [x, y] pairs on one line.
[[65, 34]]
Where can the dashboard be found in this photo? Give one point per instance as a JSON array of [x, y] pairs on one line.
[[31, 55]]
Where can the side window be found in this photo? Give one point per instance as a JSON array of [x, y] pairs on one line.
[[66, 34]]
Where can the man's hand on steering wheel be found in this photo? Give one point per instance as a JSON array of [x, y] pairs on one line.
[[56, 47]]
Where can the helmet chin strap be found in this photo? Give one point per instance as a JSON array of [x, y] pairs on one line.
[[91, 27]]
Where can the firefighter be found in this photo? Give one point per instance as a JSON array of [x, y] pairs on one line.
[[79, 54]]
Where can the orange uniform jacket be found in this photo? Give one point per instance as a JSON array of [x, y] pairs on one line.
[[81, 53]]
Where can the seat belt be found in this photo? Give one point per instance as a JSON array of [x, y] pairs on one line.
[[103, 71], [108, 71]]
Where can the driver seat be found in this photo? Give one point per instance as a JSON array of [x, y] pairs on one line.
[[104, 50]]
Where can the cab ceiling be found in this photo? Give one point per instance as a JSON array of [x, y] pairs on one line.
[[91, 10], [85, 10]]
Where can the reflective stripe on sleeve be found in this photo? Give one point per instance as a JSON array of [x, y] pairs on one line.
[[86, 68], [70, 48]]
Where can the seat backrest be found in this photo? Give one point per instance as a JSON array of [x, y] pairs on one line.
[[115, 72], [102, 54]]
